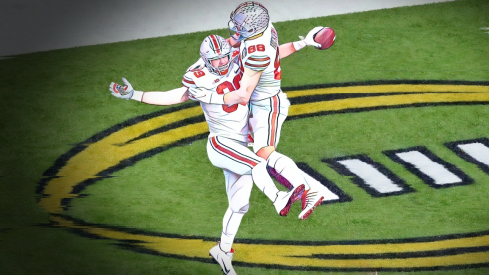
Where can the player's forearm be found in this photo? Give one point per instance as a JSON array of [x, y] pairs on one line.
[[240, 96], [171, 97], [290, 48], [249, 81], [286, 49], [233, 42]]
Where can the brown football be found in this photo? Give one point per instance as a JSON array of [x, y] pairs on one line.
[[325, 37]]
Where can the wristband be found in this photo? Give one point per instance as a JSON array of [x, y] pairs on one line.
[[299, 44], [137, 95]]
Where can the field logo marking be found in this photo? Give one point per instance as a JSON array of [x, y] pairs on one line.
[[142, 137]]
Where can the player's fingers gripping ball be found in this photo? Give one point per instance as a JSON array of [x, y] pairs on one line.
[[310, 37], [325, 37], [120, 91]]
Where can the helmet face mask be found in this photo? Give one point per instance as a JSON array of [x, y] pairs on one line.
[[215, 47], [222, 69], [247, 20]]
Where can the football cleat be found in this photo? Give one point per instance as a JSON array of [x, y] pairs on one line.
[[285, 199], [223, 259], [310, 199]]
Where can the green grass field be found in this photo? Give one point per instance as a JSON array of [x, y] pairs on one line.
[[56, 108]]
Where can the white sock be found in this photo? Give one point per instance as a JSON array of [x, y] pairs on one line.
[[230, 226], [263, 181]]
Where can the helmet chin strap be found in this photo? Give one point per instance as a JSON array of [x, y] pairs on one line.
[[225, 72], [219, 70]]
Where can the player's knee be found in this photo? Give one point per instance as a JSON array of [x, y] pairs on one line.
[[257, 171], [242, 209], [265, 152], [284, 162]]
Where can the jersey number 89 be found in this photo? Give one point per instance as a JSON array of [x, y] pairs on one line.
[[228, 85]]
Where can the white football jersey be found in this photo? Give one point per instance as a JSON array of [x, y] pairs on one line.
[[261, 54], [223, 120]]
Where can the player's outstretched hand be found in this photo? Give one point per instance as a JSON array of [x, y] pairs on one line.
[[120, 91], [310, 37]]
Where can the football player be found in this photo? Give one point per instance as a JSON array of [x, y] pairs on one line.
[[259, 56], [228, 137]]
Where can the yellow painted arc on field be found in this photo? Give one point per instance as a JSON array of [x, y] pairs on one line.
[[384, 101], [299, 255], [102, 155], [392, 88], [108, 152]]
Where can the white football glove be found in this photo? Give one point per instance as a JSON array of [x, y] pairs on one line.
[[120, 91], [200, 94], [206, 95], [309, 40]]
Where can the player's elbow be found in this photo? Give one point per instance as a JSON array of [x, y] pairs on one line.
[[236, 100], [243, 100]]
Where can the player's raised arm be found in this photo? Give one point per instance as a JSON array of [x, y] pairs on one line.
[[233, 41], [284, 49], [170, 97], [290, 48]]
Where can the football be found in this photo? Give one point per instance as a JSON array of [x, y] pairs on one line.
[[325, 37]]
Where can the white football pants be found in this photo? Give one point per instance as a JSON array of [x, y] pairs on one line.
[[266, 119], [241, 168]]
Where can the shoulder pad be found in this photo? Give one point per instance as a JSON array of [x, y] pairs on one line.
[[188, 79]]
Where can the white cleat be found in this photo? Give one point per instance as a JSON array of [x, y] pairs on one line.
[[310, 199], [285, 199], [223, 259]]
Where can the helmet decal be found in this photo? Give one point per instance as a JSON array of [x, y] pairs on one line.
[[248, 19], [214, 44]]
